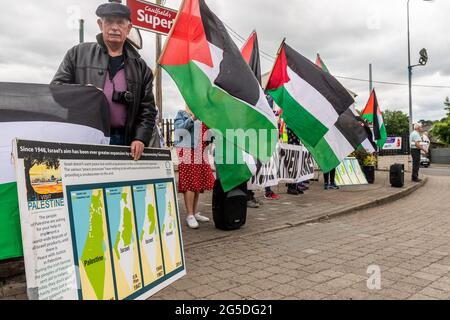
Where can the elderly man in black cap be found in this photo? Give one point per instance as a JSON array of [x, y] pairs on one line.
[[113, 65]]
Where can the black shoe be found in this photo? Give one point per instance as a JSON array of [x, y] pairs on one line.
[[333, 186], [417, 180], [293, 192]]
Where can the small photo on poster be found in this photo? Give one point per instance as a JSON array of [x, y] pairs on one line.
[[43, 177]]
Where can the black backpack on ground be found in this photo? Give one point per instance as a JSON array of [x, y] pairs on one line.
[[397, 175], [229, 208]]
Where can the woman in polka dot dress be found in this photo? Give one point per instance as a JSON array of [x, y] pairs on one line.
[[195, 173]]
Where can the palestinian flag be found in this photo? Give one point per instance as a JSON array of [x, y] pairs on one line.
[[373, 114], [217, 83], [321, 64], [312, 100], [250, 52], [244, 166], [72, 114], [368, 144], [344, 137]]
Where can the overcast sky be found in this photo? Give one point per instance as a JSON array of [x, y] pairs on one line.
[[348, 34]]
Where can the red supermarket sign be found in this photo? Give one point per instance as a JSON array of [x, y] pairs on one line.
[[148, 16]]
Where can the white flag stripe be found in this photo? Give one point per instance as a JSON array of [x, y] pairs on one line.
[[338, 143], [368, 146], [311, 99]]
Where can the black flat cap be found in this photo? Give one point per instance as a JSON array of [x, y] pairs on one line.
[[113, 9]]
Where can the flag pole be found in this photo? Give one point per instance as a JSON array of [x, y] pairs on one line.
[[273, 67]]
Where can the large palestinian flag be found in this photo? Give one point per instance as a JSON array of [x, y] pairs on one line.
[[372, 113], [72, 114], [312, 99], [217, 83], [368, 144], [237, 173], [344, 137]]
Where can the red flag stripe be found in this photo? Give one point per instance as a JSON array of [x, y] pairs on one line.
[[187, 41], [248, 48], [279, 74]]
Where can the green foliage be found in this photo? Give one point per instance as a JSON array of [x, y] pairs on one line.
[[447, 107], [396, 122], [364, 158], [442, 131]]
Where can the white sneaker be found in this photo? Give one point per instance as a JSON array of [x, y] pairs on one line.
[[192, 222], [201, 218]]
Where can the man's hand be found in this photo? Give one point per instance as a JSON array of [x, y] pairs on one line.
[[137, 147]]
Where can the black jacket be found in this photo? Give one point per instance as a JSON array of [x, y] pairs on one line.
[[87, 63]]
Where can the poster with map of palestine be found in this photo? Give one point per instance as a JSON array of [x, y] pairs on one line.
[[123, 239], [358, 171], [141, 240], [168, 222], [96, 224], [342, 178], [92, 245], [148, 233]]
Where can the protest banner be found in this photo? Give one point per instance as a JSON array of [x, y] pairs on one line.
[[95, 224], [289, 164]]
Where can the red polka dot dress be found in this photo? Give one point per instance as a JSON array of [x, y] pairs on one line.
[[195, 173]]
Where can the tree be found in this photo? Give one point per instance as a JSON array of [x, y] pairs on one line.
[[447, 107], [396, 122], [441, 129]]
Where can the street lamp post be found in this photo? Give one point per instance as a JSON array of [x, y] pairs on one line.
[[409, 76], [423, 60]]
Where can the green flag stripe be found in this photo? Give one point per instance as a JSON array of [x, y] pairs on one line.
[[305, 126], [231, 167], [324, 155], [383, 134], [10, 233], [221, 111]]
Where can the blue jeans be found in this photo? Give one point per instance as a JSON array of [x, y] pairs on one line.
[[117, 137]]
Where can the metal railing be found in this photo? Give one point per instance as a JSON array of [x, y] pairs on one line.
[[167, 130]]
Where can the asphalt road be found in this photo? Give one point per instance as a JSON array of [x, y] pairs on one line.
[[436, 170]]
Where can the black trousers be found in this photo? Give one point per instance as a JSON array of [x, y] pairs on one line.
[[329, 176], [415, 154]]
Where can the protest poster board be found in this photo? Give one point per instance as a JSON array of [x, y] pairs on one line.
[[95, 224], [349, 173]]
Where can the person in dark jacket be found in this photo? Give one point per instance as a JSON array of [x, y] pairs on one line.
[[115, 67]]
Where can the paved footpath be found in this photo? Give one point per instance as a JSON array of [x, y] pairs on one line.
[[408, 241], [288, 250]]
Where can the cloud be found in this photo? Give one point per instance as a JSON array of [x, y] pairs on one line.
[[349, 34]]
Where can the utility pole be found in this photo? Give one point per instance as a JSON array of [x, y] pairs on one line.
[[158, 85], [370, 79], [81, 30]]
